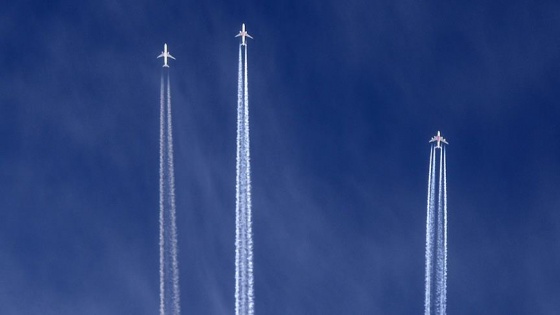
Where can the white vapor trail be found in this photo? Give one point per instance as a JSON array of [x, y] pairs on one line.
[[244, 294], [161, 201], [173, 209], [169, 267], [428, 280], [435, 301], [250, 280], [238, 260], [444, 279], [440, 253]]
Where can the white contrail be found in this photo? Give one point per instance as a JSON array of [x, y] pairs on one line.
[[444, 280], [250, 292], [240, 261], [173, 223], [428, 280], [169, 267], [244, 292], [440, 253], [161, 196], [431, 229], [241, 198], [237, 190], [435, 301]]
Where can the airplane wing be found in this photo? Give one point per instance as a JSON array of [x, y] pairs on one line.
[[238, 35], [168, 55], [161, 55], [251, 37]]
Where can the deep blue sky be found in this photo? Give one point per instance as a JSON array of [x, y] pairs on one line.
[[344, 96]]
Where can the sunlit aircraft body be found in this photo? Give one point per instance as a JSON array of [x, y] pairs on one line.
[[439, 140], [165, 54], [243, 33]]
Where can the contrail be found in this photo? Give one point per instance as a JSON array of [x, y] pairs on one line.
[[161, 201], [439, 257], [430, 234], [429, 245], [444, 278], [433, 227], [435, 301], [250, 279], [173, 223], [244, 292], [169, 267], [237, 197], [240, 203]]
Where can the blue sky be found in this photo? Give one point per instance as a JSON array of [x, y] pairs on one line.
[[344, 96]]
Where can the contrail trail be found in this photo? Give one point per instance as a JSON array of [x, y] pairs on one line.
[[237, 197], [173, 211], [439, 257], [429, 245], [444, 277], [169, 267], [435, 301], [244, 291], [250, 279], [161, 200], [240, 275], [430, 234]]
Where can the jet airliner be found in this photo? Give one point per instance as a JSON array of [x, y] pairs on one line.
[[243, 33], [165, 54], [438, 139]]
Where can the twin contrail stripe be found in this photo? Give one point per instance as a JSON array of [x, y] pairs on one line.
[[169, 266], [244, 292]]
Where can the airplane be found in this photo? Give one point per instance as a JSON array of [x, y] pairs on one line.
[[243, 33], [165, 54], [438, 139]]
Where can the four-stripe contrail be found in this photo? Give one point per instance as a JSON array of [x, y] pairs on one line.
[[435, 301]]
